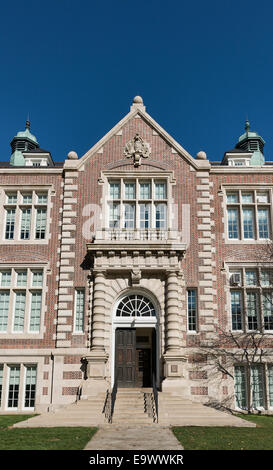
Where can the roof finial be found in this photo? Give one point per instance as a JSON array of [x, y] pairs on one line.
[[28, 122], [247, 125]]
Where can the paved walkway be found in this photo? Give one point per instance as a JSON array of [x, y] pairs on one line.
[[111, 437]]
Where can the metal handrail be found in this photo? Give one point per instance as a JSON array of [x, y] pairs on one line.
[[113, 398], [155, 397], [79, 393], [109, 403]]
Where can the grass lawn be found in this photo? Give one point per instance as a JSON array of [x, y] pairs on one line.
[[228, 438], [41, 438]]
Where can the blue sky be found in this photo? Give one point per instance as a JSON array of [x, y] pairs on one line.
[[75, 66]]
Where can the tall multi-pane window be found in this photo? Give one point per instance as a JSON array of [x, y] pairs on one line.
[[25, 224], [4, 310], [25, 215], [257, 385], [145, 215], [30, 386], [35, 311], [13, 389], [40, 228], [79, 311], [252, 310], [236, 309], [129, 215], [10, 224], [19, 312], [233, 223], [251, 299], [267, 299], [240, 387], [139, 204], [114, 215], [160, 215], [248, 223], [18, 383], [248, 215], [252, 390], [192, 309], [21, 300]]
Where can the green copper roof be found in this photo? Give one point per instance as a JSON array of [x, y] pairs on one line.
[[249, 134], [26, 133]]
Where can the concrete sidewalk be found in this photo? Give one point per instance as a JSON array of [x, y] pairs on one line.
[[151, 437]]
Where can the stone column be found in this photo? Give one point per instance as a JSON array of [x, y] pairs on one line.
[[173, 358], [172, 336], [98, 323], [97, 358]]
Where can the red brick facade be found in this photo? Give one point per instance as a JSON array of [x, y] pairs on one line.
[[197, 187]]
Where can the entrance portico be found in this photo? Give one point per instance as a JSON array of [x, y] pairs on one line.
[[136, 304]]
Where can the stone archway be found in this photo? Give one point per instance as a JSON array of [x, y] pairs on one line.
[[135, 351]]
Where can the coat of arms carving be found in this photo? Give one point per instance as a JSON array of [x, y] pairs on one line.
[[136, 149]]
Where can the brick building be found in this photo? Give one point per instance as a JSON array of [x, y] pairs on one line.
[[125, 264]]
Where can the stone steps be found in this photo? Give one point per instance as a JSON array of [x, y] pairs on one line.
[[129, 408], [174, 410]]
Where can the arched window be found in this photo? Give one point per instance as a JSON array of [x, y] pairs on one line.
[[135, 305]]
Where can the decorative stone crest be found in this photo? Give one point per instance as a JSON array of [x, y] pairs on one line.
[[135, 276], [136, 149]]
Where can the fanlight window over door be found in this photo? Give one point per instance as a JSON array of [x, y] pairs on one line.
[[135, 306]]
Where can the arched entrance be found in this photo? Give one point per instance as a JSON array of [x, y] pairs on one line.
[[135, 350]]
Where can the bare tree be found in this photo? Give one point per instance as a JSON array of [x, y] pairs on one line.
[[231, 349]]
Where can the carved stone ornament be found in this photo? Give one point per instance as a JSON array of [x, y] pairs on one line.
[[135, 276], [136, 149]]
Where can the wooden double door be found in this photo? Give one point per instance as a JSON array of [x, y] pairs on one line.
[[133, 365]]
